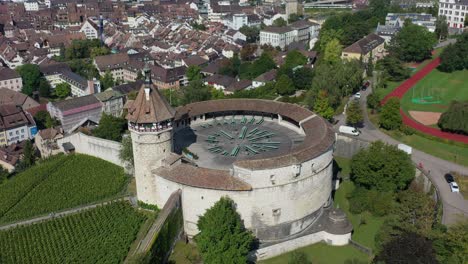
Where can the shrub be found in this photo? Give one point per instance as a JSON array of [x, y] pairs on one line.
[[407, 130], [390, 118], [455, 118]]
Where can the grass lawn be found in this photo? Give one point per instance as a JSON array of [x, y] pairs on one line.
[[438, 87], [185, 254], [322, 253], [462, 181]]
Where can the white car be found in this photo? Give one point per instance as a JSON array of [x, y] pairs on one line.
[[357, 96], [454, 187]]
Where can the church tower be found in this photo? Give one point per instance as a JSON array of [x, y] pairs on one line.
[[150, 119]]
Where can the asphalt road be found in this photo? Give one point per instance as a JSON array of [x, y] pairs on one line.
[[454, 206]]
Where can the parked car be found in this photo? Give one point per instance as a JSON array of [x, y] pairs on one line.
[[365, 85], [349, 130], [454, 187], [357, 96], [449, 178]]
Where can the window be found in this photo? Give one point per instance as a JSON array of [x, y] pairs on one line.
[[273, 179], [276, 212]]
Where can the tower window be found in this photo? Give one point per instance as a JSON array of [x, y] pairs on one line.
[[276, 212]]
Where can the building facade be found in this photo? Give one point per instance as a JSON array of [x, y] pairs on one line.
[[16, 125], [371, 47], [10, 79], [455, 12]]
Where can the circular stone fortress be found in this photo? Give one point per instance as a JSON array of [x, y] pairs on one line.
[[273, 159]]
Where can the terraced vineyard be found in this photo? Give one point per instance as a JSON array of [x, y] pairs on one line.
[[100, 235], [61, 183]]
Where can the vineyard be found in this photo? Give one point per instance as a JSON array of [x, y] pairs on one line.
[[100, 235], [61, 183]]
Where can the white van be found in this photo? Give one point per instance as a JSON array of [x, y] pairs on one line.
[[349, 130], [405, 148]]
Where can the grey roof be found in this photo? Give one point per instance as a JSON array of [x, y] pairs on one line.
[[128, 87], [75, 79], [107, 95], [76, 102], [279, 30], [365, 45], [7, 74]]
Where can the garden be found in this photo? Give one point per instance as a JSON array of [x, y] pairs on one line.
[[100, 235], [59, 183]]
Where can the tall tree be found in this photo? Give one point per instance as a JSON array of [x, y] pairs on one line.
[[412, 43], [354, 115], [284, 85], [415, 211], [29, 156], [110, 127], [295, 58], [455, 118], [322, 107], [393, 68], [383, 167], [302, 78], [196, 91], [248, 52], [31, 76], [62, 90], [223, 238], [454, 57], [252, 33], [332, 51], [390, 117], [193, 73], [107, 81], [44, 87], [280, 22], [441, 29]]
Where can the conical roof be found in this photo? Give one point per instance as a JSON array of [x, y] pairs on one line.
[[149, 106]]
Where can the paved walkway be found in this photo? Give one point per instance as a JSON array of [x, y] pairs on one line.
[[454, 205], [59, 214]]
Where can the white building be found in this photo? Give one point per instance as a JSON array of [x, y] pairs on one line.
[[31, 6], [90, 29], [16, 125], [455, 12], [300, 31], [236, 21], [424, 20], [10, 79]]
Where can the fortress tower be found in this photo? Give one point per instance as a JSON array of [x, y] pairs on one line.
[[150, 119]]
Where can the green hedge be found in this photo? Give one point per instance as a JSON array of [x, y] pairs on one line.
[[166, 237]]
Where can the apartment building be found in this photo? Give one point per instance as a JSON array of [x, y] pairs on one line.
[[10, 79], [299, 31], [16, 125], [455, 12]]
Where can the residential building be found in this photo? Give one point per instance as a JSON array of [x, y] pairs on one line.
[[31, 5], [46, 141], [261, 80], [16, 124], [238, 86], [455, 12], [8, 96], [90, 29], [52, 72], [236, 21], [79, 85], [114, 63], [220, 82], [112, 102], [398, 19], [10, 79], [72, 113], [10, 155], [371, 47], [299, 31]]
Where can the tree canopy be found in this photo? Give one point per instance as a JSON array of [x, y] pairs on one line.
[[196, 91], [393, 68], [455, 56], [223, 238], [390, 117], [332, 53], [107, 81], [322, 106], [354, 115], [31, 76], [412, 43], [110, 127], [193, 73], [252, 33], [383, 167], [284, 85], [280, 22], [455, 118], [62, 90]]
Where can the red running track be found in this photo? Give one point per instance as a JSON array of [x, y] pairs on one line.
[[404, 87]]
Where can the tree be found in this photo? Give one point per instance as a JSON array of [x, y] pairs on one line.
[[454, 119], [390, 118], [262, 64], [393, 68], [354, 114], [322, 107], [29, 156], [3, 175], [332, 52], [409, 247], [452, 245], [284, 85], [196, 91], [279, 22], [99, 51], [126, 152], [248, 51], [441, 29], [298, 257], [415, 211], [193, 73], [373, 101], [383, 167], [44, 120], [84, 68], [62, 90], [295, 58], [44, 88], [82, 48], [412, 43], [302, 78], [107, 81], [110, 127], [223, 238], [293, 18], [455, 57], [31, 76], [252, 33]]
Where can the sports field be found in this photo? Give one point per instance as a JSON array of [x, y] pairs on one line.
[[435, 91]]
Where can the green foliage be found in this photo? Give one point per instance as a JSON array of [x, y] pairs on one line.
[[166, 236], [223, 238], [252, 33], [376, 202], [295, 58], [412, 43], [293, 18], [198, 26], [322, 107], [61, 183], [455, 118], [354, 114], [146, 206], [29, 156], [415, 211], [231, 67], [84, 68], [441, 29], [3, 175], [248, 51], [103, 234], [280, 22], [107, 81], [193, 73], [82, 48], [110, 127], [452, 245], [196, 91], [373, 101], [383, 167], [302, 78], [455, 56], [390, 117], [31, 76], [263, 92], [298, 257], [393, 69], [44, 88], [99, 51], [62, 90], [284, 85], [332, 53], [126, 152], [409, 247]]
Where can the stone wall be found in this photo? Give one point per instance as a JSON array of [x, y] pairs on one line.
[[97, 147], [347, 146]]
